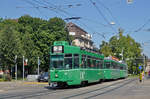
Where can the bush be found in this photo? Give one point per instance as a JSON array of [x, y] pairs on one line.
[[1, 76], [1, 79], [6, 77]]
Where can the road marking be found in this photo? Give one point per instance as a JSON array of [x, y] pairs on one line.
[[112, 86]]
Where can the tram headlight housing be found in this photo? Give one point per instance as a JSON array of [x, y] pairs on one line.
[[56, 76]]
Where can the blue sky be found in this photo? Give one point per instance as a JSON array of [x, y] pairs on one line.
[[130, 17]]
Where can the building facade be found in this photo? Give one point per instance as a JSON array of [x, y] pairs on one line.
[[148, 66], [81, 37]]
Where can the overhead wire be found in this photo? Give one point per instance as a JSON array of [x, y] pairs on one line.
[[46, 3], [100, 12], [140, 28], [46, 6], [79, 21], [34, 6], [110, 12], [59, 9]]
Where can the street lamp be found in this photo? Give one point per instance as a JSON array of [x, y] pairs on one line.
[[112, 23], [129, 1]]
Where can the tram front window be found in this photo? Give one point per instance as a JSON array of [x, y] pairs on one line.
[[57, 61], [57, 64]]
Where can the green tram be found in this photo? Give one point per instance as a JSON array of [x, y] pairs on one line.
[[114, 69], [72, 65]]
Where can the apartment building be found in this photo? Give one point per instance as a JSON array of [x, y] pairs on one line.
[[81, 37]]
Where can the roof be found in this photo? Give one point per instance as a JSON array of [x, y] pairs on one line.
[[74, 28]]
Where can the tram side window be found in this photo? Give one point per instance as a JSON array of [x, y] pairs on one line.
[[121, 67], [83, 63], [124, 67], [89, 62], [68, 61], [93, 63], [76, 60], [101, 64], [97, 64], [114, 65], [107, 64], [118, 66]]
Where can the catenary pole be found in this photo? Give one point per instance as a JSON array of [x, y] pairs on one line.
[[23, 68], [16, 67], [38, 65]]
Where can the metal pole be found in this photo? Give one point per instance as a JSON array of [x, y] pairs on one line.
[[38, 65], [122, 53], [23, 68], [144, 63], [16, 67]]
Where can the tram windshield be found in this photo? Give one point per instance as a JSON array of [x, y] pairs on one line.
[[63, 61], [57, 61]]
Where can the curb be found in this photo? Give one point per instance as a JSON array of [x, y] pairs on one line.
[[38, 83]]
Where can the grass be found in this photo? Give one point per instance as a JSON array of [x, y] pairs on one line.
[[1, 80], [133, 75]]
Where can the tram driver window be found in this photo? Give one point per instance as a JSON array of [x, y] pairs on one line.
[[68, 61], [76, 61]]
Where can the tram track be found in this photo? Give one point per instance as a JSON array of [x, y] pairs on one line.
[[86, 94], [108, 88], [25, 95]]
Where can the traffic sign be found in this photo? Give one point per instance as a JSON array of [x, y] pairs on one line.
[[140, 67]]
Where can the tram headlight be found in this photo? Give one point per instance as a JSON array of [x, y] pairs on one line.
[[56, 75]]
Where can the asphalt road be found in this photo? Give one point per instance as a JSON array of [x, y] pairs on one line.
[[119, 89]]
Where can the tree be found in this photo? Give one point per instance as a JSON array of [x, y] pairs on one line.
[[10, 43], [122, 47], [42, 34], [105, 49], [30, 37]]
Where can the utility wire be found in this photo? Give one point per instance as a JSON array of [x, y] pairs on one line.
[[51, 8], [45, 5], [59, 9], [93, 31], [34, 6], [109, 11], [140, 28], [79, 21], [100, 12]]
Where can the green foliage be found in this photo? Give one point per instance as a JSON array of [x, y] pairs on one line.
[[10, 43], [7, 77], [122, 47], [29, 37]]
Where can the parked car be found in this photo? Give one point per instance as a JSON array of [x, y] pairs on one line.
[[43, 77]]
